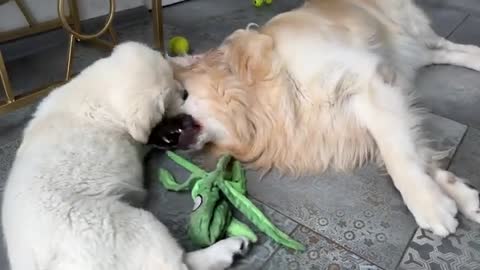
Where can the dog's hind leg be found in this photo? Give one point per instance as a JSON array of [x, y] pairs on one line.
[[219, 256]]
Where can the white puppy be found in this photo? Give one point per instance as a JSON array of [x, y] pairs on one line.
[[66, 200]]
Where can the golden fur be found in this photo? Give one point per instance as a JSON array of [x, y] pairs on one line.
[[330, 85]]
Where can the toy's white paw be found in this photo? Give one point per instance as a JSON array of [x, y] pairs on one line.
[[226, 250], [433, 210]]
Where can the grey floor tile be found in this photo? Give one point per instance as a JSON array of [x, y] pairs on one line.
[[192, 12], [470, 6], [452, 92], [173, 210], [7, 155], [467, 158], [444, 21], [467, 32], [4, 264], [362, 210], [12, 124], [37, 70], [320, 253], [220, 27], [445, 135], [460, 251]]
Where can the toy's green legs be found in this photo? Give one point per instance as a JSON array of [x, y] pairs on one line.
[[170, 184], [168, 180], [212, 216], [239, 180], [247, 208], [187, 165], [238, 228]]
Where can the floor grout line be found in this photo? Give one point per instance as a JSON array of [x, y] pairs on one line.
[[457, 26], [279, 246], [456, 148], [406, 248]]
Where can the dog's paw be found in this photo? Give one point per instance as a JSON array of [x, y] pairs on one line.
[[473, 213], [466, 197], [227, 250], [433, 210], [469, 202]]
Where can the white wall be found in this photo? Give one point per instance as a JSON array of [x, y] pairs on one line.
[[44, 10]]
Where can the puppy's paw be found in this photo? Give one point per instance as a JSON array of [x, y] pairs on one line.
[[433, 210], [227, 250]]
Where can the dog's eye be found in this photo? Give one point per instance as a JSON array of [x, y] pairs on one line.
[[185, 94]]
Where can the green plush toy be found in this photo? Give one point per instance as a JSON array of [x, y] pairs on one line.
[[213, 193]]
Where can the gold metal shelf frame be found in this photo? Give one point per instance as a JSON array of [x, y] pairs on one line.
[[71, 24]]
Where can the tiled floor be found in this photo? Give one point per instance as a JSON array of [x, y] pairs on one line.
[[347, 220]]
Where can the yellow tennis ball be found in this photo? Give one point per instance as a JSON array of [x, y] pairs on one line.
[[268, 2], [179, 45], [257, 3]]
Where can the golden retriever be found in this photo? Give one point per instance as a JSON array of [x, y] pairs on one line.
[[330, 85]]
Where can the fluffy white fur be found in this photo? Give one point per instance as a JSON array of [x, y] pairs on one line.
[[330, 85], [67, 200]]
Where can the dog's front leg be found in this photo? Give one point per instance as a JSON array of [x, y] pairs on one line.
[[384, 110]]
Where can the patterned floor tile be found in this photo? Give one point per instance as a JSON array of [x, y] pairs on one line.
[[460, 251], [173, 210], [362, 211], [320, 253]]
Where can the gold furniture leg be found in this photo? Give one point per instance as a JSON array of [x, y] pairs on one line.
[[14, 102], [7, 88], [157, 13], [75, 34], [72, 25]]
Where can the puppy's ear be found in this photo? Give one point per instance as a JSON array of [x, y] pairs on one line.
[[142, 115], [250, 55]]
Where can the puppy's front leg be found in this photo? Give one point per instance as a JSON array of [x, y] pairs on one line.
[[384, 110], [219, 256]]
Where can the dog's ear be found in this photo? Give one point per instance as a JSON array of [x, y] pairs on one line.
[[142, 114], [250, 55]]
